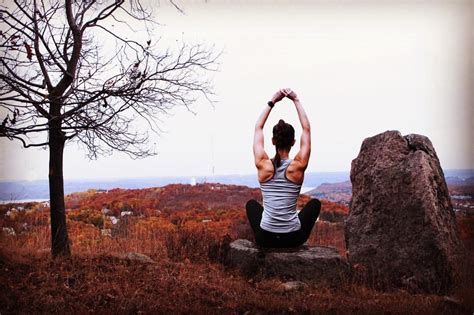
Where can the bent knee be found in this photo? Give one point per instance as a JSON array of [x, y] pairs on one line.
[[249, 203], [315, 204]]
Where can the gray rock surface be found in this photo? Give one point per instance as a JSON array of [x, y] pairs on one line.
[[138, 257], [318, 264], [401, 230], [293, 286]]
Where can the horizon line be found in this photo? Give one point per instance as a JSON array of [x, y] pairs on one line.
[[185, 176]]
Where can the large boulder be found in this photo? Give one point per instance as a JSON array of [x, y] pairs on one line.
[[401, 230], [316, 264]]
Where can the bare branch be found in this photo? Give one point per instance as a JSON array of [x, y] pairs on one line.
[[39, 56], [103, 14], [104, 100]]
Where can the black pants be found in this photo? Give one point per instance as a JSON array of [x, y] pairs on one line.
[[307, 216]]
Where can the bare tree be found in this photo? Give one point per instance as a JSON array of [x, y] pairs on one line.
[[58, 80]]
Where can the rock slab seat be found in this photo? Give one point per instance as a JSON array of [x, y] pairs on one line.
[[317, 264], [401, 230]]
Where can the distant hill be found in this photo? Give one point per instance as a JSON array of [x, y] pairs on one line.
[[459, 180], [181, 197], [460, 189], [335, 192], [38, 189]]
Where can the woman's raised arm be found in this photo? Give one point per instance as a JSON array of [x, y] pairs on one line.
[[258, 144], [302, 157]]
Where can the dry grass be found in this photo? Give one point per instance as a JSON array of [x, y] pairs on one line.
[[183, 280], [186, 277], [106, 284]]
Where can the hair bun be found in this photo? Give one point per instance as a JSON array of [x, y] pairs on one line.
[[283, 136]]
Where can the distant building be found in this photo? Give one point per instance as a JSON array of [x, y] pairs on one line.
[[113, 220], [106, 232], [8, 231], [192, 181]]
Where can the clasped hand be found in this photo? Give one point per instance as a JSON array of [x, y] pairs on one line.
[[280, 94]]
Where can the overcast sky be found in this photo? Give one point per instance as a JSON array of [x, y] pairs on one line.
[[359, 67]]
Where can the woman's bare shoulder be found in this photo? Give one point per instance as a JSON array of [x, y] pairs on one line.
[[266, 170], [295, 173]]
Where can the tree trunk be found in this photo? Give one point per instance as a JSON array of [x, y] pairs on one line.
[[59, 236]]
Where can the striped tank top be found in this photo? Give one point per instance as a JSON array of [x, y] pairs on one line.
[[279, 202]]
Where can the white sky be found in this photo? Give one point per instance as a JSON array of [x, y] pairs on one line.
[[359, 67]]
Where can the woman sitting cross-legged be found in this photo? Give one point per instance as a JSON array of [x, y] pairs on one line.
[[277, 223]]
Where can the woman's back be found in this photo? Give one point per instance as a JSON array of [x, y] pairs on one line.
[[279, 202], [276, 223]]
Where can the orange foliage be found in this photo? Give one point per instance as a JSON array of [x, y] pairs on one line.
[[184, 229], [89, 216], [167, 215]]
